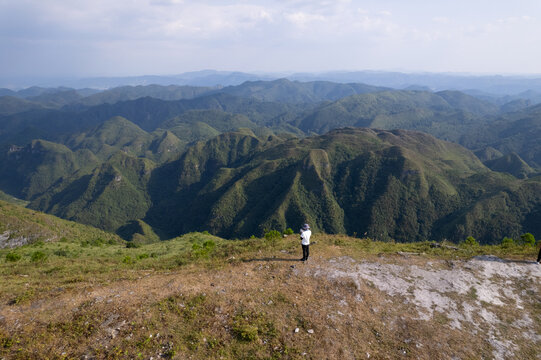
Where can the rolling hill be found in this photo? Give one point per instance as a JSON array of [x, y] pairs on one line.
[[397, 184], [241, 160]]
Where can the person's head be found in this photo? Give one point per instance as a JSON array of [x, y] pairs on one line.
[[305, 227]]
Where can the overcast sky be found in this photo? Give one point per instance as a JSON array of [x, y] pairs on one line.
[[81, 38]]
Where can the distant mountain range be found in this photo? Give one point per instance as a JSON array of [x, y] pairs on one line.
[[497, 88], [241, 160]]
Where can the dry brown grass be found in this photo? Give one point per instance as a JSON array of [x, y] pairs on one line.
[[247, 306]]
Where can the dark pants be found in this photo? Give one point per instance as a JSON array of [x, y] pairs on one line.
[[305, 252], [539, 256]]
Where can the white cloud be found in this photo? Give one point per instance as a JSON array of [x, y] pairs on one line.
[[302, 19], [265, 34]]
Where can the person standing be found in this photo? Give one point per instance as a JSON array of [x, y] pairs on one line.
[[305, 241]]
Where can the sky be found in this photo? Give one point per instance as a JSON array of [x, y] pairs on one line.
[[86, 38]]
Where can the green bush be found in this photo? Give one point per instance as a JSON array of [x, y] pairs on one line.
[[128, 260], [61, 252], [289, 231], [13, 257], [273, 235], [245, 332], [38, 256], [142, 256], [470, 241], [132, 245], [203, 250], [507, 242], [97, 242], [527, 239]]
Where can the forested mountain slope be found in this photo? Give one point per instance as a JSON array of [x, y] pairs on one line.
[[241, 160]]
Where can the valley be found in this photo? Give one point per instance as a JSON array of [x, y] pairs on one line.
[[245, 159]]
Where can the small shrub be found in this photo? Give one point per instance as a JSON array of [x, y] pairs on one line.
[[471, 242], [273, 235], [203, 250], [24, 297], [205, 232], [132, 245], [507, 242], [289, 231], [527, 239], [13, 257], [61, 252], [245, 332], [142, 256], [252, 237], [38, 256], [6, 342], [128, 260], [63, 239], [97, 242]]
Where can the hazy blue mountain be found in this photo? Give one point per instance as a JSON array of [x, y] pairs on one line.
[[56, 99], [12, 105], [7, 92], [124, 93], [516, 105], [286, 91], [38, 90], [494, 84], [197, 78]]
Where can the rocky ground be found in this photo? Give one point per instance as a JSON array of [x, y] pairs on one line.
[[335, 307]]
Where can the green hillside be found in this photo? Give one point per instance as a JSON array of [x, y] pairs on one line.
[[109, 197], [416, 110], [511, 133], [246, 159], [20, 226], [398, 185], [512, 164], [147, 113], [26, 172], [114, 134]]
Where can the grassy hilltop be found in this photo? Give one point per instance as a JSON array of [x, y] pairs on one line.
[[202, 297]]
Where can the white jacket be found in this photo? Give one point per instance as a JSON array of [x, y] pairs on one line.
[[305, 237]]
